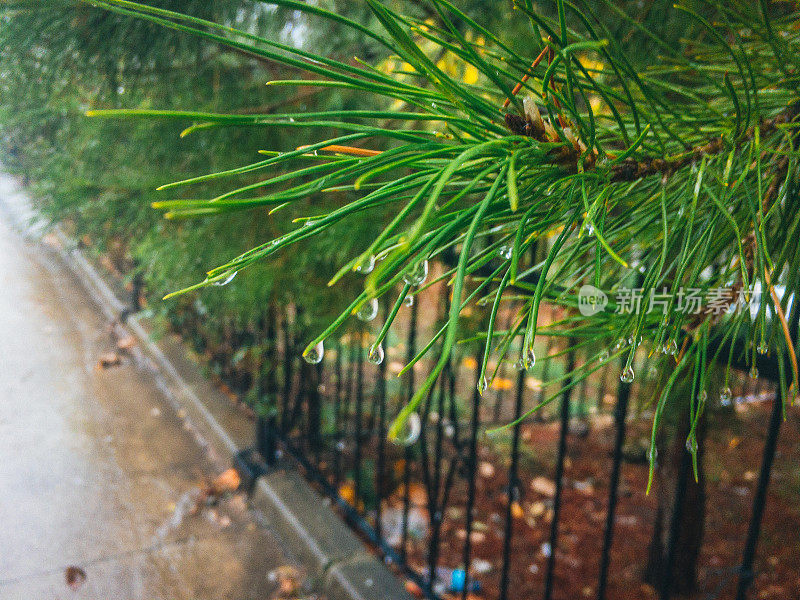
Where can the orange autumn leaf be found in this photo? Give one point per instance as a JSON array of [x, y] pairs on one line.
[[502, 383]]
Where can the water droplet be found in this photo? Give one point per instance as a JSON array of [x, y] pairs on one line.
[[408, 301], [627, 375], [604, 356], [340, 445], [366, 265], [505, 252], [703, 396], [754, 372], [588, 228], [530, 357], [762, 348], [691, 444], [309, 223], [375, 354], [227, 280], [619, 345], [725, 396], [314, 355], [411, 430], [671, 347], [417, 274], [368, 310], [482, 385]]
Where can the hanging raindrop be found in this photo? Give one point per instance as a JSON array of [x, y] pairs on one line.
[[408, 301], [314, 355], [418, 273], [410, 432], [627, 375], [671, 347], [762, 348], [703, 396], [227, 280], [691, 444], [753, 372], [482, 385], [530, 357], [505, 252], [366, 265], [368, 310], [375, 354]]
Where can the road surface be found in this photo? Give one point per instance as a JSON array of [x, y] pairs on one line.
[[96, 471]]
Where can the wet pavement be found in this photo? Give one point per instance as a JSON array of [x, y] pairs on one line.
[[96, 470]]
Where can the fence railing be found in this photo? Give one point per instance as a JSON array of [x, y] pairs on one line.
[[458, 513]]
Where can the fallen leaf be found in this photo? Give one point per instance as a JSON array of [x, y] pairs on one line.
[[75, 576], [469, 363], [543, 486], [126, 343], [413, 589], [227, 481], [288, 579], [502, 383], [108, 359], [486, 469]]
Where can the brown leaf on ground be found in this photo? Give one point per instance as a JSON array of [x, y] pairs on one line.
[[74, 576], [108, 359], [544, 486], [227, 481], [288, 579], [211, 491], [126, 344], [51, 240]]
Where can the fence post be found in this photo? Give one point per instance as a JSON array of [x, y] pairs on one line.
[[746, 575], [623, 395], [562, 449]]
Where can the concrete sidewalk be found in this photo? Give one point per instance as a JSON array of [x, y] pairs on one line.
[[96, 470]]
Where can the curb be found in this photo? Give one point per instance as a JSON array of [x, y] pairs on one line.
[[339, 563]]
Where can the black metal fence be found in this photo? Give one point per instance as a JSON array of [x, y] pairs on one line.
[[458, 513]]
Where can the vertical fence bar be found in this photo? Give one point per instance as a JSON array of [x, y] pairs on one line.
[[337, 417], [472, 467], [623, 396], [380, 463], [288, 373], [746, 575], [358, 419], [513, 487], [562, 449], [675, 524], [267, 426], [411, 351], [434, 506]]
